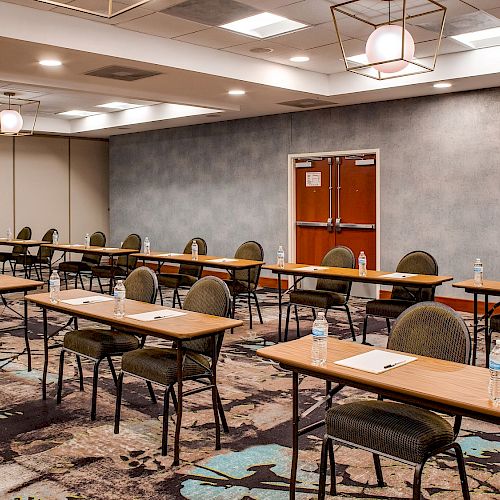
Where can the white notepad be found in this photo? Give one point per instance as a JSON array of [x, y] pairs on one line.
[[91, 299], [313, 268], [398, 275], [154, 315], [222, 260], [376, 361], [168, 254], [110, 248]]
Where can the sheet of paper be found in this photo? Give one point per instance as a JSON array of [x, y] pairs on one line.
[[376, 361], [398, 275], [221, 261], [313, 268], [154, 315], [91, 299], [168, 254], [110, 248]]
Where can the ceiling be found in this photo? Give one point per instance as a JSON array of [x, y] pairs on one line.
[[196, 63]]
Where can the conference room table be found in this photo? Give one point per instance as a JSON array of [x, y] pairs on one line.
[[110, 252], [26, 244], [431, 383], [188, 326], [405, 280], [12, 284], [488, 288]]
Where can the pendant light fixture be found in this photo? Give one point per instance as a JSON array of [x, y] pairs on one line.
[[11, 119], [385, 26]]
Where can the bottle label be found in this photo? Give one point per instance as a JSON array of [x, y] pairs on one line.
[[478, 269], [318, 333], [495, 366], [52, 283], [362, 261], [119, 294]]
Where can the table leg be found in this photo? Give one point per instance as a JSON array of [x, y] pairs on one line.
[[45, 354], [474, 346], [180, 358], [279, 307], [249, 298], [111, 275], [295, 432], [486, 331], [26, 263], [26, 337]]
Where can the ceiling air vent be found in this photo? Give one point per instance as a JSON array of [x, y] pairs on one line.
[[122, 73], [307, 103]]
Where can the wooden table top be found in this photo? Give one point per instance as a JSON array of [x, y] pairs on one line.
[[22, 243], [377, 277], [488, 287], [203, 260], [14, 284], [96, 250], [189, 326], [463, 389]]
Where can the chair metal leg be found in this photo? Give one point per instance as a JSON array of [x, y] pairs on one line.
[[119, 390], [378, 470], [365, 326], [222, 415], [258, 307], [112, 368], [151, 391], [178, 298], [297, 319], [322, 469], [93, 411], [215, 406], [287, 322], [174, 398], [80, 371], [173, 298], [314, 313], [250, 309], [81, 281], [388, 322], [164, 432], [417, 481], [333, 479], [100, 284], [462, 471], [60, 378], [351, 326], [160, 293], [65, 275], [91, 279]]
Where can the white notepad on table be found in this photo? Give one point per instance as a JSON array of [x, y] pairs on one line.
[[221, 260], [169, 254], [398, 275], [313, 268], [154, 315], [376, 361], [91, 299]]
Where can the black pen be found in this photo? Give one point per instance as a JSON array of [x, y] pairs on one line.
[[393, 364], [160, 317]]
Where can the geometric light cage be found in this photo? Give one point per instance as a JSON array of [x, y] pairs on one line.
[[108, 10], [27, 108], [365, 16]]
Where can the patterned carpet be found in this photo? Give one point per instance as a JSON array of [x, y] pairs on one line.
[[50, 452]]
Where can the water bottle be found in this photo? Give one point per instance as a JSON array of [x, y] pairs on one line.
[[281, 257], [319, 340], [147, 246], [55, 238], [9, 233], [54, 287], [362, 263], [478, 273], [87, 240], [494, 385], [194, 250], [119, 295]]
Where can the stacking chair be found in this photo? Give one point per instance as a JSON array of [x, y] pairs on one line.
[[88, 260], [208, 295], [42, 259], [244, 282], [187, 275], [417, 262], [98, 344], [10, 257], [329, 293], [400, 431], [121, 269]]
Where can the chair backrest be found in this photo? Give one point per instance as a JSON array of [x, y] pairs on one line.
[[141, 284], [134, 242], [432, 329], [417, 262], [97, 239], [209, 295], [202, 250], [337, 257], [45, 253], [250, 250], [24, 234]]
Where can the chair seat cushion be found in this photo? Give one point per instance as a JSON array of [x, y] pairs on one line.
[[99, 342], [238, 287], [317, 298], [495, 323], [74, 266], [396, 429], [387, 308], [6, 256], [160, 364], [108, 271], [174, 280]]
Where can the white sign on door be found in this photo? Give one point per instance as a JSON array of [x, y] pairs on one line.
[[313, 179]]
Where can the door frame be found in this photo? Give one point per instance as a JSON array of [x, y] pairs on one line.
[[292, 218]]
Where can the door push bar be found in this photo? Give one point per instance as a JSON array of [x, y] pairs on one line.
[[338, 226]]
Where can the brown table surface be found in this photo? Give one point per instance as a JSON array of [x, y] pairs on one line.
[[203, 260], [22, 243], [189, 326], [488, 287], [96, 250], [13, 284], [437, 384], [376, 277]]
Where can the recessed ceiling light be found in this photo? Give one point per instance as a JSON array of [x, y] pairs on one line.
[[236, 92], [118, 105], [77, 113], [52, 63], [479, 39], [264, 25], [299, 59], [442, 85]]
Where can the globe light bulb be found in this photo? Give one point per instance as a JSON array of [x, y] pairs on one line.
[[11, 122], [384, 44]]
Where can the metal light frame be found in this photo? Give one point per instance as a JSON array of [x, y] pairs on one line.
[[9, 101], [109, 15], [364, 69]]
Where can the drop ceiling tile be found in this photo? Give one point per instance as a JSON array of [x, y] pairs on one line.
[[494, 12], [97, 5], [279, 52], [163, 25], [266, 5], [158, 5], [308, 38], [32, 4], [307, 11], [448, 46], [485, 4], [216, 38], [457, 7]]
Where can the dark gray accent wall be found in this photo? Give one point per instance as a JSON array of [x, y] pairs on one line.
[[227, 182]]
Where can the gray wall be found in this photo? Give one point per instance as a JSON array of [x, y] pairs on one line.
[[227, 182]]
